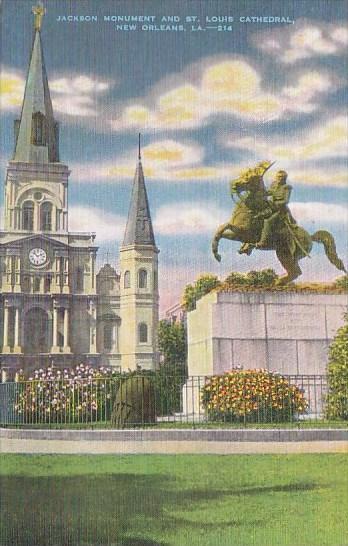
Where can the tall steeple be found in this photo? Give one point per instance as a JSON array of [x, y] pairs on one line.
[[139, 229], [37, 131]]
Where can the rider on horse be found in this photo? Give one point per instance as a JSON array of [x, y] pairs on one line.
[[277, 213], [262, 219]]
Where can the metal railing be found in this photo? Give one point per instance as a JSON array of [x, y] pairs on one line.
[[148, 399]]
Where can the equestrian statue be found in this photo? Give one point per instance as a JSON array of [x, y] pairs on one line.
[[262, 220]]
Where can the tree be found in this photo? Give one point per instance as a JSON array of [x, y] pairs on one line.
[[337, 399], [172, 373], [172, 342], [342, 282], [202, 286]]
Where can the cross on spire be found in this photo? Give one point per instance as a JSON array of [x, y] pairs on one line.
[[38, 11], [139, 149]]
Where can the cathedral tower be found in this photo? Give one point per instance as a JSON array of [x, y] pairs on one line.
[[39, 206], [54, 307], [47, 274], [139, 282]]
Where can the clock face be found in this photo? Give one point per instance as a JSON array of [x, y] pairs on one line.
[[37, 256]]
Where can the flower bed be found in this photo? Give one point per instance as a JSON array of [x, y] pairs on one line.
[[79, 394], [253, 396]]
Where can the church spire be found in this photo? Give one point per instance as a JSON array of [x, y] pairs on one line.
[[36, 131], [139, 229]]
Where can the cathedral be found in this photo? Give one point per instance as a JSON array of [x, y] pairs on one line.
[[55, 307]]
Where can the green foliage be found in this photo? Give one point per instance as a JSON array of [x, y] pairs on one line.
[[161, 395], [172, 343], [135, 401], [74, 395], [342, 282], [172, 373], [263, 279], [169, 380], [337, 399], [252, 396], [202, 286]]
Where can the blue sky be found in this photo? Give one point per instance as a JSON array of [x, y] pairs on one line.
[[207, 103]]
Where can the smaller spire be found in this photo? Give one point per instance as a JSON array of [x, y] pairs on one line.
[[139, 225], [38, 11]]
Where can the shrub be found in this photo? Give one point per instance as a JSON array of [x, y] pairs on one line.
[[135, 402], [337, 399], [342, 282], [73, 395], [253, 396], [236, 279], [203, 285], [263, 279]]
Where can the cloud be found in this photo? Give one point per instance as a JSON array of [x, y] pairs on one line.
[[300, 97], [72, 94], [326, 140], [159, 158], [306, 41], [188, 218], [11, 88], [173, 153], [75, 95], [329, 176], [107, 226], [1, 217], [164, 160], [228, 86], [202, 173], [317, 213]]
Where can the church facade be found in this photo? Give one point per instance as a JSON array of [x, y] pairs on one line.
[[55, 307]]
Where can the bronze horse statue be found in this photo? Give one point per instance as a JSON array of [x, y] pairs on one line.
[[290, 241]]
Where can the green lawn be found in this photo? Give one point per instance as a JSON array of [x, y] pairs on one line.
[[195, 500], [313, 424]]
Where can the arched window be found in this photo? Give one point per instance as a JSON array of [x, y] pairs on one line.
[[46, 216], [25, 283], [142, 278], [108, 336], [38, 129], [37, 284], [28, 215], [126, 280], [47, 283], [142, 332]]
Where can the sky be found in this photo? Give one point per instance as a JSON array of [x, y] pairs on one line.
[[207, 102]]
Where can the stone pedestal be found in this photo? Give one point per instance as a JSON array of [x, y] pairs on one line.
[[283, 332]]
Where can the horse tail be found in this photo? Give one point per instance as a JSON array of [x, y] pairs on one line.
[[328, 241]]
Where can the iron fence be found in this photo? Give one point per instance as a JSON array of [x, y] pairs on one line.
[[140, 400]]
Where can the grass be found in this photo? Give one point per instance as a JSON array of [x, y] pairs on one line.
[[197, 500], [305, 424]]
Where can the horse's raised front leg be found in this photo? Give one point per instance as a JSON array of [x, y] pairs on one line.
[[224, 231], [291, 266]]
